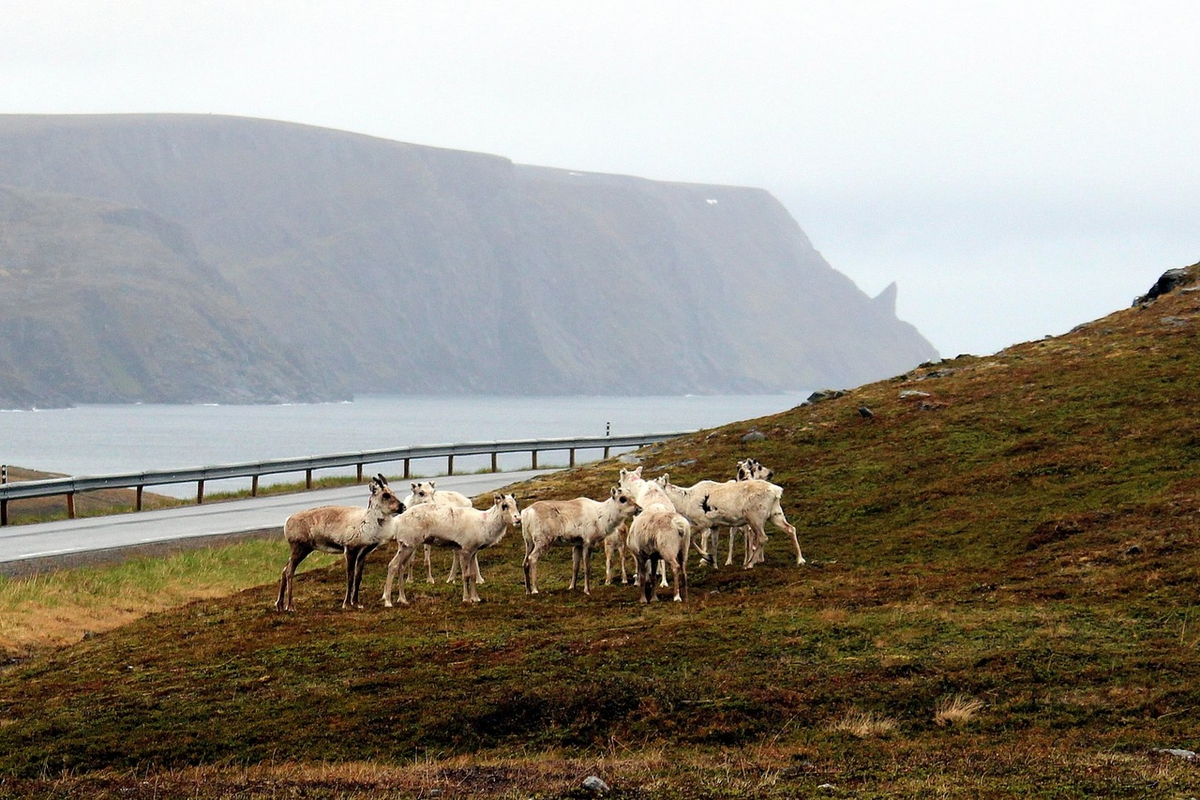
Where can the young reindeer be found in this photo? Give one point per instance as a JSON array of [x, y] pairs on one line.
[[657, 534], [427, 492], [467, 530], [353, 532], [583, 523]]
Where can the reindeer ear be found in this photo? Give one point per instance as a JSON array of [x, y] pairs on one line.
[[496, 498]]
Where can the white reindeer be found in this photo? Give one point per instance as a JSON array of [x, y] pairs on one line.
[[427, 492], [658, 534], [353, 532], [733, 503], [582, 523], [466, 530], [747, 469]]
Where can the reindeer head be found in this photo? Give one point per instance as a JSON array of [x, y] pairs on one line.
[[624, 500], [629, 477], [382, 498], [750, 469], [422, 492], [508, 507]]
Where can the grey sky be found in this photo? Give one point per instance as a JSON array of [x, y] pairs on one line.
[[1017, 167]]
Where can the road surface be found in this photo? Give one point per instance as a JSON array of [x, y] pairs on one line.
[[50, 545]]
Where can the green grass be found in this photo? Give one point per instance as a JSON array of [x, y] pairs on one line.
[[1023, 540]]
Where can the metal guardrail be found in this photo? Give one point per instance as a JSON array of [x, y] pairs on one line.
[[70, 486]]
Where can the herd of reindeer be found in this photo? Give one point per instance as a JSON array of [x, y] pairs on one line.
[[652, 520]]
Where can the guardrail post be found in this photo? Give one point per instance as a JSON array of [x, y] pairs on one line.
[[199, 492], [572, 461], [450, 464], [407, 474], [140, 490], [494, 456], [533, 453], [254, 486], [4, 511], [359, 473], [308, 479], [70, 505]]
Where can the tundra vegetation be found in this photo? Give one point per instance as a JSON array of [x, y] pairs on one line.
[[1000, 600]]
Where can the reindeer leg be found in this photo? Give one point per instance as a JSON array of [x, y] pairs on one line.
[[675, 574], [299, 552], [645, 578], [756, 538], [398, 565], [576, 556], [587, 569], [359, 563], [779, 519], [531, 560], [349, 554]]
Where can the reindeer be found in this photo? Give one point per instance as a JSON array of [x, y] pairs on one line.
[[583, 523], [657, 535], [427, 492], [467, 530], [353, 532]]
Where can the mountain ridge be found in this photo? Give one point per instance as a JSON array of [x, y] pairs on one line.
[[360, 265]]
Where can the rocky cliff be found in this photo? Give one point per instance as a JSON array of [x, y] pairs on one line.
[[195, 258]]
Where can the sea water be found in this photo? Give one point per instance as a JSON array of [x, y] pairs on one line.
[[110, 439]]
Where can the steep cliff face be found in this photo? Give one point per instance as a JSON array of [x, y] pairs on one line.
[[275, 260]]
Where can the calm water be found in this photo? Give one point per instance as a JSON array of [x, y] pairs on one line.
[[105, 439]]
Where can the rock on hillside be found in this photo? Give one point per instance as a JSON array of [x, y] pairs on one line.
[[274, 260]]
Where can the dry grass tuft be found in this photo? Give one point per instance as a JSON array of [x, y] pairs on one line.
[[957, 710], [864, 725]]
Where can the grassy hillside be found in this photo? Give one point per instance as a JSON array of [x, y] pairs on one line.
[[1000, 601]]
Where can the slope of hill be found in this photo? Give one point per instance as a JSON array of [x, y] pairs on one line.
[[353, 264], [1000, 601], [101, 302]]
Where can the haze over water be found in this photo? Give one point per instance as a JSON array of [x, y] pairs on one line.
[[108, 439]]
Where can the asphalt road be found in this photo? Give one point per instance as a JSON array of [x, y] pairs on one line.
[[51, 545]]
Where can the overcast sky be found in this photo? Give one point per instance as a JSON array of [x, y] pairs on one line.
[[1016, 167]]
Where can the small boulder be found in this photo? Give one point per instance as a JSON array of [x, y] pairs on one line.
[[824, 394], [595, 784]]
